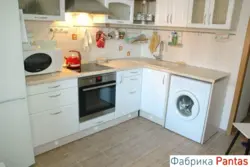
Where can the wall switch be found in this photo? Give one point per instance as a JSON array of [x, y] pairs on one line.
[[120, 48], [128, 53]]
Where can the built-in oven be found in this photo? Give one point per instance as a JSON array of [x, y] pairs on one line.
[[96, 96]]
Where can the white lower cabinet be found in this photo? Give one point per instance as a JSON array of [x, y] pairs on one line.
[[54, 99], [53, 109], [154, 95], [128, 92], [54, 124]]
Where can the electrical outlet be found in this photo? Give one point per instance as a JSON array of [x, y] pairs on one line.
[[128, 53], [120, 48], [59, 29]]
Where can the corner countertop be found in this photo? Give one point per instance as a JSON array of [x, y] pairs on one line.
[[193, 72]]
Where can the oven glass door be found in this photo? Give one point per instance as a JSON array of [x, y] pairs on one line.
[[95, 101]]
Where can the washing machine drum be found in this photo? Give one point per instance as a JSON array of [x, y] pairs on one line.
[[187, 105]]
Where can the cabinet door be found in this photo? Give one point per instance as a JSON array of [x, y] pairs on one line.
[[122, 11], [163, 12], [43, 10], [179, 13], [54, 124], [220, 14], [128, 94], [132, 98], [198, 13], [154, 92]]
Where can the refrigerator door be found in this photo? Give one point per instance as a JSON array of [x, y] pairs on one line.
[[15, 141], [12, 77]]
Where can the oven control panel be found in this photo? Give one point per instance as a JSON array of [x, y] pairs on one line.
[[97, 79]]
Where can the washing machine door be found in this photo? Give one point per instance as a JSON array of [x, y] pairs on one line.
[[187, 105]]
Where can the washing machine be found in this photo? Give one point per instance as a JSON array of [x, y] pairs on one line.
[[187, 107]]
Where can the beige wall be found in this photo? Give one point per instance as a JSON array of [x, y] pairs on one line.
[[205, 51]]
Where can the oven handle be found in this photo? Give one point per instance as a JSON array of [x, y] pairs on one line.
[[97, 87]]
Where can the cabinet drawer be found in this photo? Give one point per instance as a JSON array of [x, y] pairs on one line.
[[97, 121], [130, 73], [133, 93], [128, 97], [53, 86], [51, 100], [132, 82], [54, 124]]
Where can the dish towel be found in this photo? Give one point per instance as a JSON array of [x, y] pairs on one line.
[[154, 42], [87, 40]]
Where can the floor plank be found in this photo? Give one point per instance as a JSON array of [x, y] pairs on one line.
[[135, 143]]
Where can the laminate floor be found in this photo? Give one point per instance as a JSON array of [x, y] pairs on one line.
[[135, 143]]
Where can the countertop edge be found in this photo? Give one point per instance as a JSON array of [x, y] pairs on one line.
[[154, 67]]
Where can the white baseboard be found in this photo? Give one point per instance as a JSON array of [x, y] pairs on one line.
[[152, 118]]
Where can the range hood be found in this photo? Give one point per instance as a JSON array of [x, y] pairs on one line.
[[86, 6]]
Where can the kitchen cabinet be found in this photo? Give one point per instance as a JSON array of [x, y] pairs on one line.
[[53, 109], [215, 14], [54, 99], [43, 10], [128, 92], [122, 12], [54, 124], [154, 94], [172, 13]]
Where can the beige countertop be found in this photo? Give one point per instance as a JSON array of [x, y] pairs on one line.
[[198, 73]]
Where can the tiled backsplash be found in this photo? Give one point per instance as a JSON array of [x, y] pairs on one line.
[[41, 31]]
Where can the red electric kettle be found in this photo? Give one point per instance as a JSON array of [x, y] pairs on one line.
[[73, 60]]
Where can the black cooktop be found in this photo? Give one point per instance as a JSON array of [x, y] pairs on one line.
[[91, 67]]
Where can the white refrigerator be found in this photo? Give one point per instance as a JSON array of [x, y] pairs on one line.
[[16, 148]]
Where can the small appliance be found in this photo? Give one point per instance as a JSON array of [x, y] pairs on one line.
[[96, 96], [74, 60], [42, 61]]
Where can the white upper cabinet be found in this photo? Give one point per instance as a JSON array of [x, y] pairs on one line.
[[172, 13], [221, 13], [43, 10], [122, 12], [198, 13], [215, 14]]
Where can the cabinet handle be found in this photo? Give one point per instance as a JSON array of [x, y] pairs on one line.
[[120, 22], [121, 79], [134, 79], [209, 17], [56, 113], [205, 16], [52, 87], [99, 122], [163, 80], [171, 18], [133, 92], [41, 17], [134, 72], [55, 95]]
